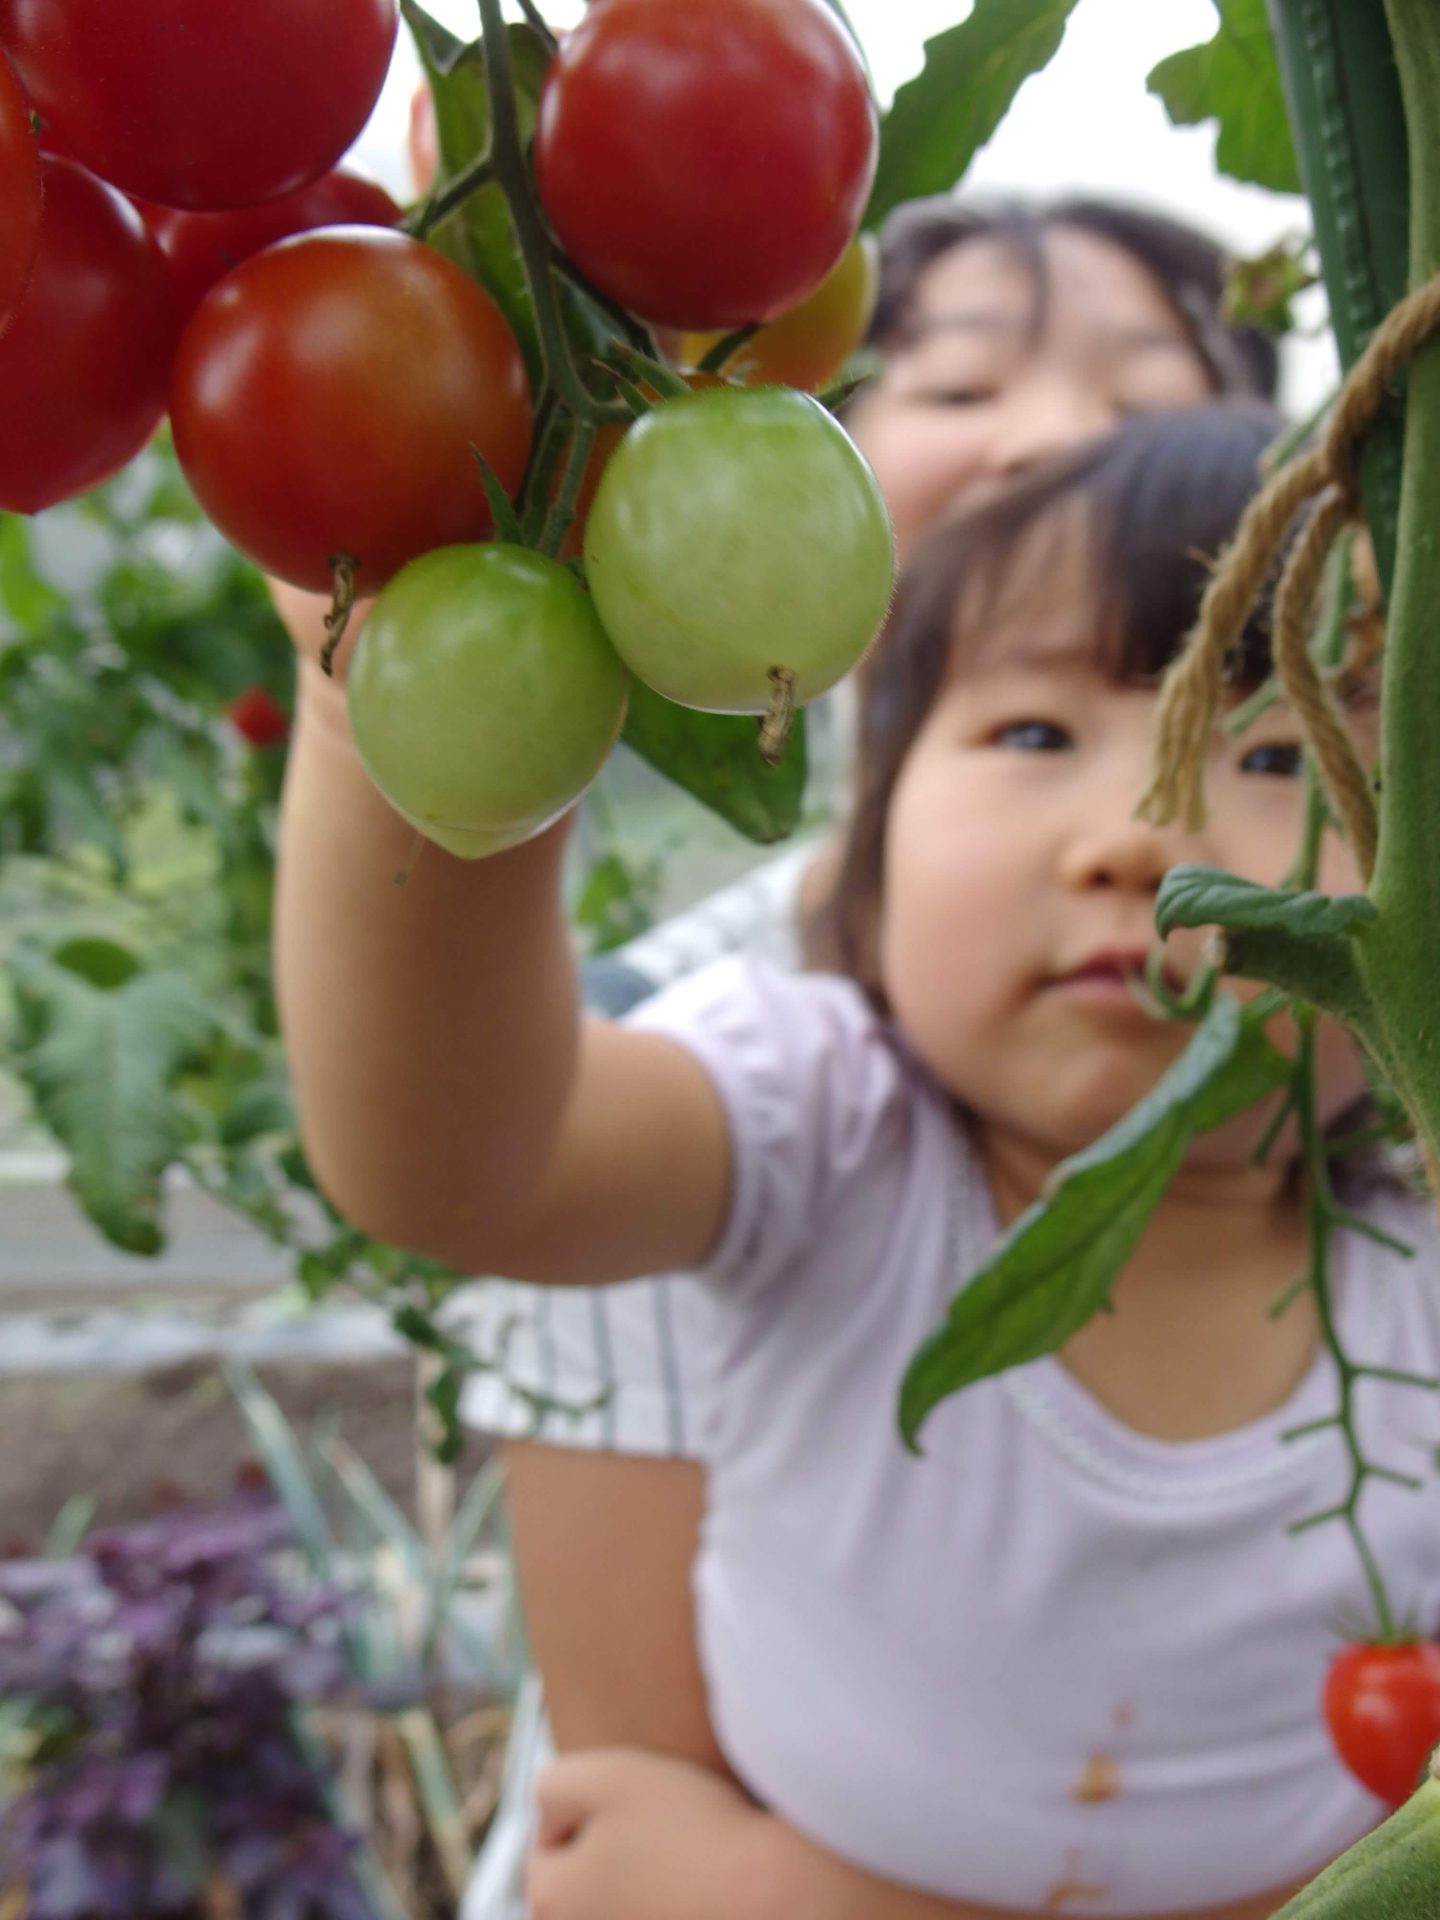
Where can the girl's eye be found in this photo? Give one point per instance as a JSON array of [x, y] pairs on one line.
[[955, 396], [1279, 757], [1034, 736]]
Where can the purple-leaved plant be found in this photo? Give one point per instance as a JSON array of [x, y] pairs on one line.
[[160, 1670]]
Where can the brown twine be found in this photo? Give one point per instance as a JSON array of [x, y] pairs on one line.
[[1190, 696], [1346, 783]]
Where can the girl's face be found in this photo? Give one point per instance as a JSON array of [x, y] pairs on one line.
[[1019, 892], [976, 391]]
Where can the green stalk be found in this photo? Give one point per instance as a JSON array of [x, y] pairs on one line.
[[1343, 95], [1398, 955]]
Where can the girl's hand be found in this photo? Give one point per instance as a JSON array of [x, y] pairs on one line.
[[624, 1835]]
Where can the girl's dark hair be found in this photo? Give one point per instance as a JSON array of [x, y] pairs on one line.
[[1151, 503], [1189, 267]]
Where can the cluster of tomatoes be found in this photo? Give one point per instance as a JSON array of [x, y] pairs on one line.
[[180, 238]]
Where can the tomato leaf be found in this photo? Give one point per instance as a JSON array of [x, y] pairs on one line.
[[1053, 1270], [1207, 897], [101, 1062], [715, 758], [478, 236], [939, 120], [1234, 79]]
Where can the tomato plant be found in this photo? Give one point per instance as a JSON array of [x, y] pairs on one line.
[[807, 346], [736, 532], [706, 164], [203, 247], [84, 363], [20, 195], [1382, 1706], [327, 396], [191, 104], [483, 694]]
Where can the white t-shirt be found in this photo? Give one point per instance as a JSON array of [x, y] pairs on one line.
[[1054, 1663]]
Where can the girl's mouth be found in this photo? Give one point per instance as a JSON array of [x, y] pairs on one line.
[[1115, 976]]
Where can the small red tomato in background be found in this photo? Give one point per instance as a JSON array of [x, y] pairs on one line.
[[327, 396], [85, 362], [808, 346], [257, 716], [706, 163], [203, 247], [422, 139], [1382, 1706], [20, 194], [198, 103]]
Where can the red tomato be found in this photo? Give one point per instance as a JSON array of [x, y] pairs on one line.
[[808, 346], [706, 163], [203, 247], [326, 398], [258, 717], [200, 103], [84, 365], [1382, 1706], [19, 194]]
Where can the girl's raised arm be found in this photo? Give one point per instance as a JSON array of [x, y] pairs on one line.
[[452, 1098]]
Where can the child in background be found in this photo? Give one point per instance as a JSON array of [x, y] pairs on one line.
[[1069, 1661]]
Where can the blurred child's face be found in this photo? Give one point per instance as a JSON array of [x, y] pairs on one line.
[[976, 392], [1019, 889]]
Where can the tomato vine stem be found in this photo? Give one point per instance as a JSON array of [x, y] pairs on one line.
[[450, 195], [512, 171]]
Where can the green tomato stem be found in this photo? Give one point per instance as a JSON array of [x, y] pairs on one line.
[[452, 194], [507, 153], [1398, 955]]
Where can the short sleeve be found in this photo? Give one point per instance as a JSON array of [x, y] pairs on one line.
[[815, 1094]]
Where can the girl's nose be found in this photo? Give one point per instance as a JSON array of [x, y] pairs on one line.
[[1114, 849], [1046, 415]]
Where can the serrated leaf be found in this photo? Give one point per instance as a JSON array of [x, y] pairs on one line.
[[714, 757], [479, 236], [1053, 1270], [938, 121], [1234, 80], [100, 1064], [1208, 897]]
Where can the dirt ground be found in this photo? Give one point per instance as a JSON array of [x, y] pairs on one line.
[[137, 1442]]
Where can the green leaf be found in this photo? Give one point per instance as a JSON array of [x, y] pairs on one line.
[[479, 236], [101, 1063], [1053, 1270], [938, 121], [1208, 897], [715, 758], [24, 595], [1234, 79]]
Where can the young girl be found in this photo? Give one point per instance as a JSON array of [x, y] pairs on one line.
[[1069, 1661]]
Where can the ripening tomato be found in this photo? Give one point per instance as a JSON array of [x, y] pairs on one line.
[[484, 695], [20, 195], [84, 363], [203, 247], [1382, 1706], [736, 531], [258, 718], [195, 103], [808, 346], [706, 164], [327, 396]]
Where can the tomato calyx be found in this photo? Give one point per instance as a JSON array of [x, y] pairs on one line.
[[344, 566]]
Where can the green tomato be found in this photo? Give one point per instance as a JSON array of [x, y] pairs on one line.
[[737, 532], [484, 695]]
